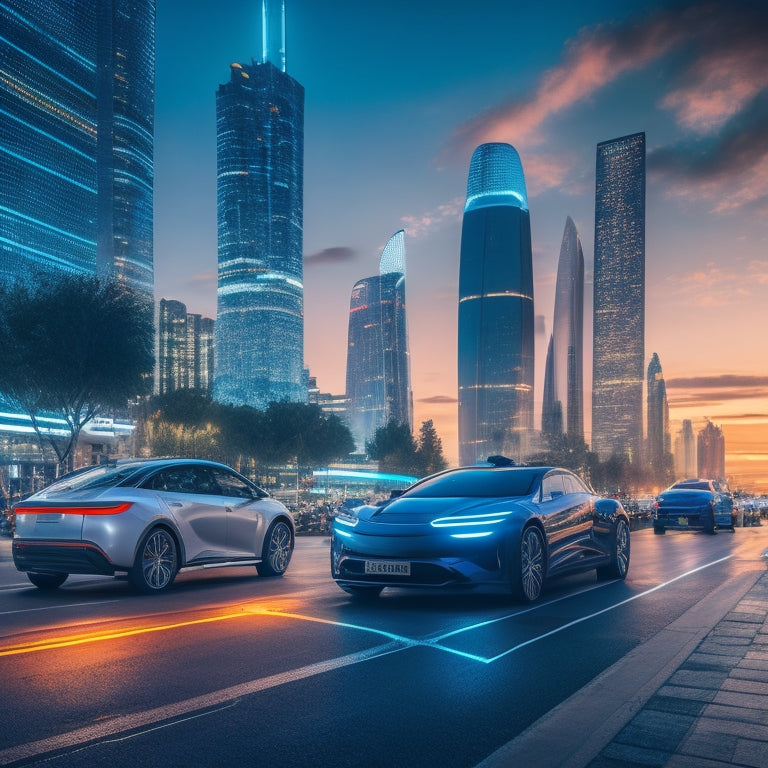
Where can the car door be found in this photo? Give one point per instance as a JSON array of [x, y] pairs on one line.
[[244, 520], [567, 520], [198, 508]]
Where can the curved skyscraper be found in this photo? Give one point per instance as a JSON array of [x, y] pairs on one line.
[[496, 322], [259, 348], [659, 439], [378, 362], [567, 345], [619, 298]]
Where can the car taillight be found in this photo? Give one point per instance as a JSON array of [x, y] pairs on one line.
[[75, 509]]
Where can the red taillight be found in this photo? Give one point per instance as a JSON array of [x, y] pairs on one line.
[[80, 509]]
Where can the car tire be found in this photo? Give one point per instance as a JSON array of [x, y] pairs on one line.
[[362, 593], [47, 580], [619, 564], [659, 530], [529, 566], [277, 550], [157, 562]]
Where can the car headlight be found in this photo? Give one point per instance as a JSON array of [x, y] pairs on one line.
[[471, 526], [348, 519]]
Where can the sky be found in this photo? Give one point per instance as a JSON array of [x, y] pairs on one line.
[[398, 95]]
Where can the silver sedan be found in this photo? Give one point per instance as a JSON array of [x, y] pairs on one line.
[[150, 518]]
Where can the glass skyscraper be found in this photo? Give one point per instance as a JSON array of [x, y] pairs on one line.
[[259, 334], [563, 408], [76, 135], [619, 298], [378, 362], [659, 439], [496, 321]]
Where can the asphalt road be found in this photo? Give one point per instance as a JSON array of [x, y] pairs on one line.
[[227, 669]]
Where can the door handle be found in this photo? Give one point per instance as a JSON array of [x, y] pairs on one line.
[[175, 504]]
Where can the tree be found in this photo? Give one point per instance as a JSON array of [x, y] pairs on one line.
[[394, 448], [73, 346], [429, 454]]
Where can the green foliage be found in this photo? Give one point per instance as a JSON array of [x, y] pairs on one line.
[[73, 345], [395, 450], [189, 423]]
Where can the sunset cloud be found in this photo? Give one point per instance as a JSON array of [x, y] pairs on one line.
[[438, 400], [421, 225], [717, 59]]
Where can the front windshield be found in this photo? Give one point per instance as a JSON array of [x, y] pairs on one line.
[[479, 482]]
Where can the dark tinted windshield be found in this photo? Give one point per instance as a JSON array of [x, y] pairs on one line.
[[477, 482], [698, 485], [97, 477]]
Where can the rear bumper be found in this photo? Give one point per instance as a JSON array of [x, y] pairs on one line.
[[61, 557]]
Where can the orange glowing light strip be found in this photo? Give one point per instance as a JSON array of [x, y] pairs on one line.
[[102, 509]]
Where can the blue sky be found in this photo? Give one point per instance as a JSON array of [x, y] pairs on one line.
[[398, 94]]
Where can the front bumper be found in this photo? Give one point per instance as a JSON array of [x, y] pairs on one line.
[[471, 565], [61, 557]]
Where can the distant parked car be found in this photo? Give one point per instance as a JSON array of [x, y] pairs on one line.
[[500, 528], [150, 518], [695, 504]]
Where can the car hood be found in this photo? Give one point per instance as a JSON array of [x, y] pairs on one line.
[[416, 511]]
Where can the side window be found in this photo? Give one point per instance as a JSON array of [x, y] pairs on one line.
[[573, 484], [205, 483], [232, 485], [552, 486]]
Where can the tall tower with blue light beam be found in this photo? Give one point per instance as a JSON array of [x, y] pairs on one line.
[[496, 321], [259, 333]]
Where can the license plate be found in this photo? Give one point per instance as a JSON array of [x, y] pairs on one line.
[[388, 568], [682, 521]]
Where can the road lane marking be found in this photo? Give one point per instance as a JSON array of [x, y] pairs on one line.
[[180, 709], [52, 607]]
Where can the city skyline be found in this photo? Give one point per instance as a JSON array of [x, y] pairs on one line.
[[388, 143]]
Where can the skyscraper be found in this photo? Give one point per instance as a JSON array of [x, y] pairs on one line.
[[710, 445], [76, 136], [619, 298], [378, 362], [259, 334], [566, 399], [184, 349], [496, 322], [658, 418], [685, 451]]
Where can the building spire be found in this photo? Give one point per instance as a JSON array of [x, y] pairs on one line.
[[273, 33]]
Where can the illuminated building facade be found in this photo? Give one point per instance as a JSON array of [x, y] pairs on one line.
[[619, 298], [184, 349], [563, 407], [710, 445], [659, 440], [496, 321], [76, 137], [378, 362], [259, 334]]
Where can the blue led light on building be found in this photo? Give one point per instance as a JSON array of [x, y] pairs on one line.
[[259, 332], [378, 361], [496, 323]]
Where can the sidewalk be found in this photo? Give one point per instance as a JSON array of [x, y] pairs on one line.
[[713, 710], [693, 696]]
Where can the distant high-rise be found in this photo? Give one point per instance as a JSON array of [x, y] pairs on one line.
[[496, 322], [658, 442], [567, 343], [378, 364], [259, 334], [76, 137], [619, 298], [184, 349], [685, 451], [710, 445]]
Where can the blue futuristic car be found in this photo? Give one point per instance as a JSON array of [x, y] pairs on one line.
[[502, 528]]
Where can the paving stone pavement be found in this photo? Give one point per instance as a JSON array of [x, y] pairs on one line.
[[712, 712]]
